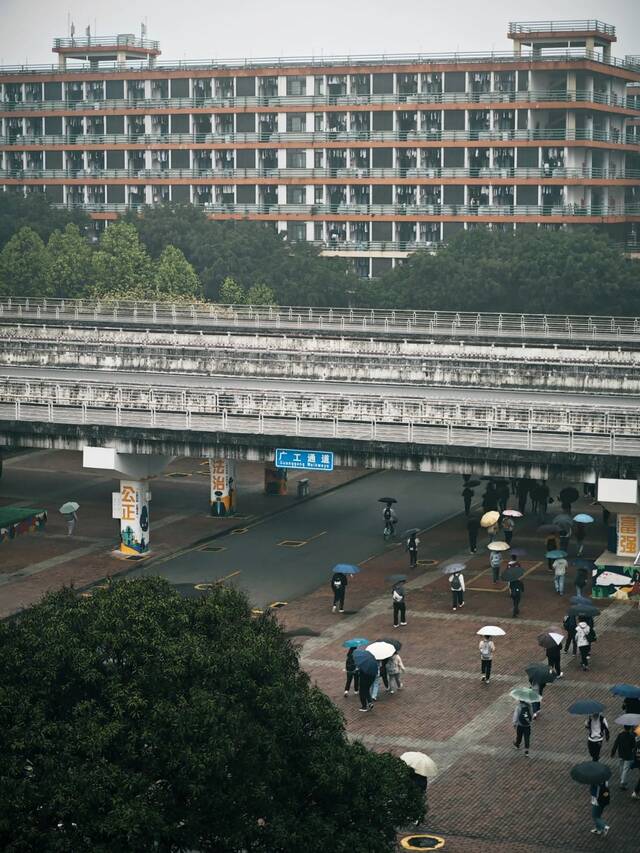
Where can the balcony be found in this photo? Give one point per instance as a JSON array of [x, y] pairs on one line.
[[583, 26], [124, 41]]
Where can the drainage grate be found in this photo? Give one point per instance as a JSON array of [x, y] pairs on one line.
[[427, 562], [213, 548], [292, 543]]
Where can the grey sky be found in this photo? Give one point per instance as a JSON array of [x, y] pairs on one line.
[[196, 29]]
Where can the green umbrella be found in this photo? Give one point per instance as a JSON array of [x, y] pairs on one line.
[[525, 694]]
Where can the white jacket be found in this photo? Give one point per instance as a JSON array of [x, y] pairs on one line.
[[582, 633]]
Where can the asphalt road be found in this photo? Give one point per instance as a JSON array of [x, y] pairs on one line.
[[307, 386], [342, 526]]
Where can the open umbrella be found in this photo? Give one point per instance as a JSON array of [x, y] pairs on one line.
[[569, 494], [583, 518], [629, 720], [381, 650], [410, 532], [548, 528], [472, 484], [562, 520], [365, 662], [590, 772], [69, 507], [549, 639], [490, 518], [525, 694], [387, 501], [355, 642], [518, 552], [512, 513], [513, 573], [498, 546], [397, 645], [584, 563], [453, 568], [580, 599], [491, 631], [629, 691], [539, 673], [396, 578], [583, 610], [556, 554], [583, 707], [420, 763], [345, 569]]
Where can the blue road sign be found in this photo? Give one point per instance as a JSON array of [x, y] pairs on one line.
[[308, 460]]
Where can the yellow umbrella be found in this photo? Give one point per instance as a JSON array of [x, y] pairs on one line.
[[489, 518], [498, 546]]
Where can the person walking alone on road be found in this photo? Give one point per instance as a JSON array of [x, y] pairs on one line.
[[467, 495], [569, 624], [394, 668], [456, 581], [473, 526], [583, 643], [522, 724], [412, 548], [339, 587], [597, 730], [625, 746], [516, 588], [600, 798], [581, 580], [503, 492], [72, 518], [551, 545], [580, 531], [553, 656], [487, 648], [495, 561], [508, 526], [399, 605], [352, 673], [559, 567]]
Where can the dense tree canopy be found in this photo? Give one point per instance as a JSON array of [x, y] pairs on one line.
[[25, 267], [16, 211], [137, 720], [70, 259]]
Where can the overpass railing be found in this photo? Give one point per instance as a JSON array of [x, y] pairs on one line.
[[404, 420], [452, 324]]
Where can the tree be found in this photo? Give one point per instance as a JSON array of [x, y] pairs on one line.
[[175, 279], [140, 720], [260, 294], [25, 265], [231, 293], [122, 268], [70, 263], [34, 211]]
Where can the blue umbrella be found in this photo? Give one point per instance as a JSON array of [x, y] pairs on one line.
[[345, 569], [586, 706], [583, 563], [365, 662], [518, 552], [583, 518], [629, 691], [355, 642], [556, 554], [580, 599]]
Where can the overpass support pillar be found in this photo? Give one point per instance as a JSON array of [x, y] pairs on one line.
[[275, 480], [135, 526], [223, 486]]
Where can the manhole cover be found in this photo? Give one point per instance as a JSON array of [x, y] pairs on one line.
[[276, 604], [292, 543], [239, 530], [422, 842], [203, 586], [213, 548], [427, 562], [178, 474]]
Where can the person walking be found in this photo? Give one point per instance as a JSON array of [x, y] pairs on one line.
[[72, 518], [394, 668], [559, 567], [492, 532], [581, 580], [352, 673], [503, 492], [522, 490], [456, 582], [580, 531], [339, 587], [375, 687], [522, 724], [412, 548], [583, 643], [539, 688], [564, 536], [600, 798], [625, 747], [467, 495], [553, 656], [551, 545], [487, 648], [597, 730], [543, 499], [508, 526], [473, 526], [364, 691], [399, 605], [516, 588], [495, 561], [569, 624]]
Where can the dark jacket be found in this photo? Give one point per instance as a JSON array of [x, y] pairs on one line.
[[581, 577], [631, 705], [516, 588], [625, 746], [350, 665], [338, 576]]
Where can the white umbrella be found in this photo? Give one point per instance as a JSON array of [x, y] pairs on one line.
[[498, 546], [381, 650], [491, 631], [512, 513], [559, 638], [69, 507], [629, 720], [421, 763]]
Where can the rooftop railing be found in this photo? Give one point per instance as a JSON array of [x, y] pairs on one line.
[[121, 40], [561, 27]]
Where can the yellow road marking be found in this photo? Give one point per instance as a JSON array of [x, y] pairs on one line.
[[500, 589], [217, 582]]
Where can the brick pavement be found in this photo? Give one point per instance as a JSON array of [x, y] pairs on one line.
[[487, 797]]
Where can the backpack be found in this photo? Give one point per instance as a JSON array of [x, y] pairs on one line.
[[592, 636], [524, 717], [455, 583], [569, 623], [397, 596], [516, 588]]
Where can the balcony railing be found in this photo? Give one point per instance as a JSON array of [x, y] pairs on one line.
[[125, 40], [561, 27], [117, 105], [370, 61], [312, 138], [352, 175]]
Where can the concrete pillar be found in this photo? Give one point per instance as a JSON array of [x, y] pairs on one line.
[[135, 527], [223, 486], [62, 62], [275, 480]]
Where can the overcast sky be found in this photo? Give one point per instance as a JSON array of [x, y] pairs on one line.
[[204, 29]]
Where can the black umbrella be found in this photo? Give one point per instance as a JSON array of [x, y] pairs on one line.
[[512, 574], [590, 773], [472, 484], [582, 707], [395, 643], [539, 673], [548, 528], [396, 578], [584, 563], [569, 494], [387, 501], [580, 599], [546, 641], [410, 532], [583, 610]]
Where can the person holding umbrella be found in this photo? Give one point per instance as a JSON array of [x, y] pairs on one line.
[[596, 775], [625, 747], [399, 604], [467, 495], [539, 677], [423, 768], [583, 632], [456, 582], [600, 799], [473, 526], [522, 716], [597, 730], [395, 666], [368, 668], [412, 547], [487, 647], [495, 562], [350, 665], [508, 523], [339, 586], [512, 576], [582, 572], [70, 511]]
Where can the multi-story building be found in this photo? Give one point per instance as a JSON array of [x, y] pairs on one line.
[[370, 156]]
